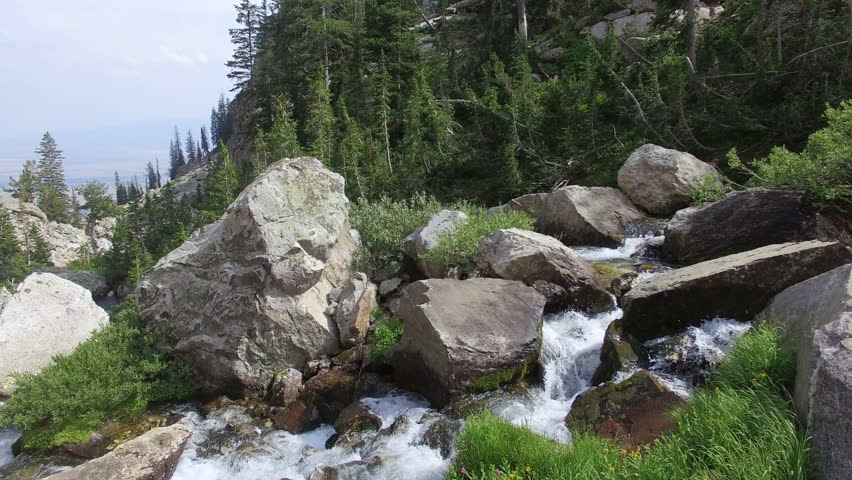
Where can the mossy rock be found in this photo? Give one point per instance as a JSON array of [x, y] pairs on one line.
[[619, 352]]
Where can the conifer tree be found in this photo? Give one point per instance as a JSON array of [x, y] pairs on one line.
[[38, 249], [221, 186], [120, 191], [214, 126], [281, 140], [53, 198], [13, 267], [159, 178], [150, 177], [176, 156], [28, 183], [350, 153], [319, 124], [204, 142], [190, 148], [245, 43]]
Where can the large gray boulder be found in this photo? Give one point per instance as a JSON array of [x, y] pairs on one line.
[[817, 314], [247, 296], [356, 303], [94, 282], [662, 180], [515, 254], [151, 456], [738, 222], [466, 336], [45, 317], [424, 240], [581, 215], [737, 286]]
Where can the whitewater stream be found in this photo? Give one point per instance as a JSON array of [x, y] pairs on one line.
[[231, 445]]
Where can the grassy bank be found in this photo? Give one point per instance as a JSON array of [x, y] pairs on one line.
[[741, 427]]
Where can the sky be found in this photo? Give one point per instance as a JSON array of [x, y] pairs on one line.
[[108, 80]]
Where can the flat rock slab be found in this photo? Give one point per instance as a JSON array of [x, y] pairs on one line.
[[817, 313], [737, 286], [739, 222], [466, 335], [152, 456]]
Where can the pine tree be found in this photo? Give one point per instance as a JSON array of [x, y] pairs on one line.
[[221, 186], [159, 178], [204, 143], [214, 126], [350, 154], [28, 183], [53, 198], [150, 177], [281, 141], [190, 148], [225, 121], [245, 44], [39, 250], [176, 157], [13, 265], [319, 124], [120, 191]]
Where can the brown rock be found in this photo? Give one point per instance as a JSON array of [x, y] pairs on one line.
[[296, 418], [330, 392]]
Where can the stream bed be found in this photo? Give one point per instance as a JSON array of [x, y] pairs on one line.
[[231, 445]]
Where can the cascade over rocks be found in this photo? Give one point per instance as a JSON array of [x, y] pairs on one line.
[[633, 412], [246, 296], [422, 241], [737, 286], [466, 335], [515, 254], [738, 222], [577, 215], [45, 317], [818, 314], [152, 456], [662, 180]]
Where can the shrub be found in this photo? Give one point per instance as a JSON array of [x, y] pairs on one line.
[[713, 189], [387, 330], [118, 371], [823, 168], [385, 223], [457, 249], [741, 427]]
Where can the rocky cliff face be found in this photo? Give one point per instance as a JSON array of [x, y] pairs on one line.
[[246, 296]]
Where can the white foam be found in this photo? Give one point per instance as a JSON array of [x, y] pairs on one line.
[[624, 252], [7, 438]]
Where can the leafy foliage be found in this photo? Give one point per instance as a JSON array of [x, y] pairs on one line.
[[387, 330], [741, 426], [118, 371], [714, 188]]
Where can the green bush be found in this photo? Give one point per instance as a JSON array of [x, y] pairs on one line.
[[117, 372], [387, 330], [823, 168], [740, 427], [457, 249], [713, 189], [385, 223]]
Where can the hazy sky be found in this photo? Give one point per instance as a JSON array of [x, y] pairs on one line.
[[108, 79]]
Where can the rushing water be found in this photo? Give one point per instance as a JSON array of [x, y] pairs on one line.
[[231, 445], [7, 438]]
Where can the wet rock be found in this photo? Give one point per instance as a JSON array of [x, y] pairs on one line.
[[153, 456], [441, 434], [461, 336], [400, 425], [427, 238], [737, 286], [330, 392], [324, 472], [515, 254], [817, 313], [740, 221], [357, 417], [618, 277], [285, 388], [94, 447], [297, 417], [246, 296], [357, 301], [620, 352], [556, 297], [633, 412], [662, 180], [580, 215], [45, 317]]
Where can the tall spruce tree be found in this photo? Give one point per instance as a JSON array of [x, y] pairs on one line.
[[53, 198], [38, 250], [249, 16], [13, 264], [176, 156], [319, 124], [204, 142], [120, 191], [191, 149], [150, 177], [221, 186]]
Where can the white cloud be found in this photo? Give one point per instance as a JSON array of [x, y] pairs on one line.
[[6, 39], [203, 58], [175, 57]]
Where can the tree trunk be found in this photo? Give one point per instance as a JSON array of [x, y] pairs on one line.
[[325, 49], [691, 32], [522, 18]]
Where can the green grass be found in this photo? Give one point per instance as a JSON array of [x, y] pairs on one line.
[[118, 372], [387, 330], [457, 249], [741, 427]]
